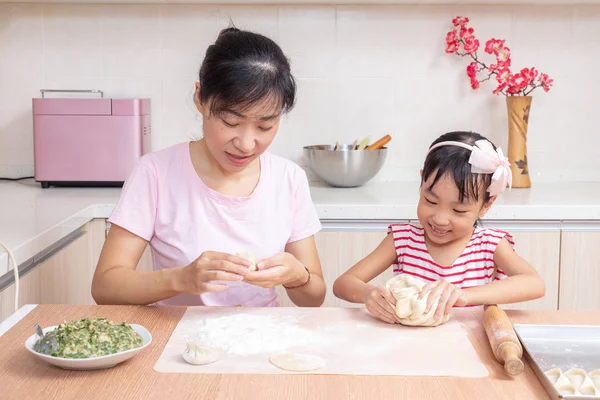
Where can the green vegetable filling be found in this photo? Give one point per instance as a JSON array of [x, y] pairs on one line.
[[89, 337]]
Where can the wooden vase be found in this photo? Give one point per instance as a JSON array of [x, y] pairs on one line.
[[518, 118]]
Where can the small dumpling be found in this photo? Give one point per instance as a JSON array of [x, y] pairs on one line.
[[253, 259], [576, 376], [553, 375], [199, 355], [588, 389], [566, 389], [557, 378], [595, 377]]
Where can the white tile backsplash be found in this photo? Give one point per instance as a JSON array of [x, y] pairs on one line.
[[361, 71], [72, 41], [308, 37]]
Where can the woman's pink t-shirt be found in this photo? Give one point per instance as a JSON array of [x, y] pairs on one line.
[[165, 202]]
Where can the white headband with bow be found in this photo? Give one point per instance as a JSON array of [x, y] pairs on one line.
[[485, 160]]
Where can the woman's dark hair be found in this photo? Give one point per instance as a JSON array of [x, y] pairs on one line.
[[243, 68], [453, 162]]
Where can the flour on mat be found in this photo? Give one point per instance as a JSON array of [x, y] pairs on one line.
[[245, 334]]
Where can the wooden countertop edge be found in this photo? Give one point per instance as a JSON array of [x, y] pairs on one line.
[[21, 371]]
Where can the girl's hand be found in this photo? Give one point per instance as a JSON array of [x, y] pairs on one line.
[[281, 269], [213, 266], [380, 303], [448, 295]]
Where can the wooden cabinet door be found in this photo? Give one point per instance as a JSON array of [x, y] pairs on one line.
[[341, 247], [580, 269], [539, 244], [63, 278]]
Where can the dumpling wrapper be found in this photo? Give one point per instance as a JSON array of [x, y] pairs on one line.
[[297, 362]]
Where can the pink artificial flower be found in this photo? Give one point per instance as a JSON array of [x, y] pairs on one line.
[[530, 74], [466, 32], [546, 82], [460, 21], [500, 87], [451, 37], [517, 83], [452, 47], [503, 55], [494, 46], [471, 44], [503, 76], [472, 70]]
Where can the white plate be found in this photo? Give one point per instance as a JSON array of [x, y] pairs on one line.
[[91, 363]]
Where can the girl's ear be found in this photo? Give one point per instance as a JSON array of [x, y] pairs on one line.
[[486, 206], [199, 106]]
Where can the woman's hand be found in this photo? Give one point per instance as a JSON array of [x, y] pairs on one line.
[[448, 295], [213, 266], [380, 303], [281, 269]]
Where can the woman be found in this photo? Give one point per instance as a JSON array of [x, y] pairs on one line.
[[198, 204]]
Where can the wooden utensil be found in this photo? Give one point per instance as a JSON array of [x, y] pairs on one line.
[[380, 143], [502, 337], [355, 145]]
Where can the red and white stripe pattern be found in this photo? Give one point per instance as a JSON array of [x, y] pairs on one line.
[[474, 267]]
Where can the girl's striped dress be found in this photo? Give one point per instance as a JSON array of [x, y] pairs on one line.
[[474, 267]]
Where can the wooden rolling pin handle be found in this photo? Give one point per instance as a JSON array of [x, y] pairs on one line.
[[380, 143], [503, 340], [510, 355]]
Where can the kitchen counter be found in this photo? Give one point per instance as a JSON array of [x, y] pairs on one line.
[[33, 219], [21, 372]]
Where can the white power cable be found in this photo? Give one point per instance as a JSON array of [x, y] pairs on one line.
[[12, 258]]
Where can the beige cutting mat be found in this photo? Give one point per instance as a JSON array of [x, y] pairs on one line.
[[349, 340]]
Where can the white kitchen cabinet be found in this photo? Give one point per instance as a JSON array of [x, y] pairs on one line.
[[580, 268], [64, 278]]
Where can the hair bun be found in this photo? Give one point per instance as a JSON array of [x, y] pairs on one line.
[[228, 30]]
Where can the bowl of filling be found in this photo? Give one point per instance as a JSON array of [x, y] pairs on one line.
[[89, 343]]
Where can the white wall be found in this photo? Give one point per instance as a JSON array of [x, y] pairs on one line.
[[362, 70]]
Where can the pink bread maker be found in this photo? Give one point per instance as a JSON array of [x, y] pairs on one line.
[[88, 141]]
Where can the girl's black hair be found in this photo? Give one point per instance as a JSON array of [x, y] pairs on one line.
[[453, 161], [242, 69]]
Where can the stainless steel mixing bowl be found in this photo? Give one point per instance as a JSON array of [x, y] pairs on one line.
[[344, 167]]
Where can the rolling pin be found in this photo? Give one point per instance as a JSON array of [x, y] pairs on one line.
[[380, 143], [504, 341]]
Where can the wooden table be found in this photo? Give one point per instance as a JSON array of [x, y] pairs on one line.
[[22, 375]]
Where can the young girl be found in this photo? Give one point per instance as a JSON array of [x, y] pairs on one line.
[[463, 264], [199, 203]]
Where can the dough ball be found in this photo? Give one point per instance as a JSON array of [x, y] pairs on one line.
[[409, 309], [297, 362], [199, 355], [253, 259]]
